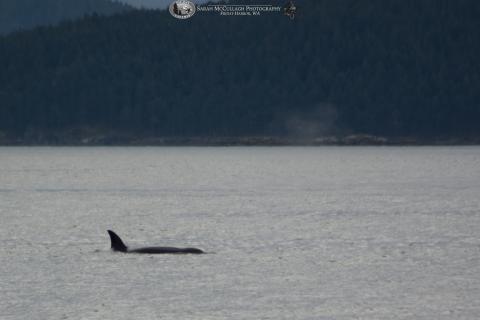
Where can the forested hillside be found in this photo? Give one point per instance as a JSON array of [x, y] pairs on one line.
[[395, 68], [25, 14]]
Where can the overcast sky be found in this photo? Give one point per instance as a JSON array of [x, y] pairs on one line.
[[154, 3]]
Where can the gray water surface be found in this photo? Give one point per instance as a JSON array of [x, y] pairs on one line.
[[293, 233]]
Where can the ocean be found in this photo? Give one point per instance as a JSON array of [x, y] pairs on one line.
[[290, 232]]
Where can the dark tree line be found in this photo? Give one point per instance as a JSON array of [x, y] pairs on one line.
[[385, 67], [25, 14]]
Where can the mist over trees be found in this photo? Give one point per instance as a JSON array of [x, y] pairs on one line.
[[383, 67], [25, 14]]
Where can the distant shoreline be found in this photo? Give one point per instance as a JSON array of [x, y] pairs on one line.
[[126, 140]]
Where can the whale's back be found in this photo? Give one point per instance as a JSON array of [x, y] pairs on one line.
[[167, 250], [118, 245]]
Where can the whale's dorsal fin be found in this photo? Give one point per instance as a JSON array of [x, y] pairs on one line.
[[117, 243]]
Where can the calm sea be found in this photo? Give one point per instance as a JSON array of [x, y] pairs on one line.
[[292, 233]]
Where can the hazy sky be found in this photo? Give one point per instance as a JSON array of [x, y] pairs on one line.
[[154, 3]]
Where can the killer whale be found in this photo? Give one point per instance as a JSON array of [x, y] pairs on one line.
[[118, 245]]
